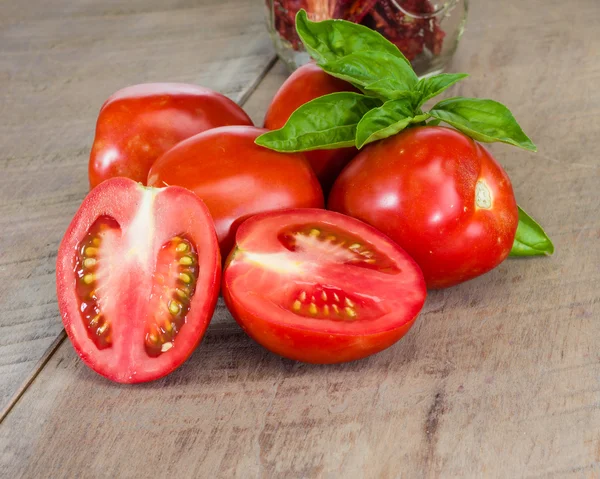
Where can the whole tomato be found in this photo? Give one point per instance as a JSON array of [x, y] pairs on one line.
[[139, 123], [237, 178], [307, 83], [440, 195]]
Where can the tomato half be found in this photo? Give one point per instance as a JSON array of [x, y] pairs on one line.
[[139, 123], [440, 195], [237, 178], [320, 287], [137, 278], [307, 83]]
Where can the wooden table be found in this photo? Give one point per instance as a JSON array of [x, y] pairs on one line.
[[500, 377]]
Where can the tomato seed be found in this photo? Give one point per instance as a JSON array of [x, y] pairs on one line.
[[89, 263], [181, 248], [174, 307], [168, 326], [186, 260], [181, 293]]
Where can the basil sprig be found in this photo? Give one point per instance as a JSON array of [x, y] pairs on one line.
[[391, 99], [531, 239], [390, 88], [326, 122], [482, 120], [429, 87], [390, 118]]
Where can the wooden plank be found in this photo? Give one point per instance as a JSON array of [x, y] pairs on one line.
[[259, 101], [59, 60], [498, 378]]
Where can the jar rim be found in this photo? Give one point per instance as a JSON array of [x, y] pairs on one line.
[[441, 10]]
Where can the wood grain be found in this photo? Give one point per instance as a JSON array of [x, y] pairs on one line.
[[59, 60], [498, 378]]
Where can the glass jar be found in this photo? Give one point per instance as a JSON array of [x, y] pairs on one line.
[[426, 31]]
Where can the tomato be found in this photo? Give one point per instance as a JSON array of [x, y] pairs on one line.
[[320, 287], [137, 279], [437, 193], [139, 123], [307, 83], [237, 178]]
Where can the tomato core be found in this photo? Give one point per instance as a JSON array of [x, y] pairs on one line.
[[340, 246]]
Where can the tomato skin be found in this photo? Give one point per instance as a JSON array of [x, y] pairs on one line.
[[175, 211], [419, 188], [258, 295], [305, 84], [237, 178], [312, 347], [139, 123]]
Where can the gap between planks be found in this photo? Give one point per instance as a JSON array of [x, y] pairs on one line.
[[62, 335], [36, 370]]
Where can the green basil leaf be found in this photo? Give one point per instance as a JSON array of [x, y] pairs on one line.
[[433, 86], [330, 40], [366, 68], [483, 120], [326, 122], [391, 89], [387, 120], [531, 239]]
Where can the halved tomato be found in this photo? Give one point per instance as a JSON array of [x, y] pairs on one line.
[[137, 279], [320, 287]]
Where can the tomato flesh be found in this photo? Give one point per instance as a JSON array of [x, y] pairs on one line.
[[137, 124], [320, 287], [438, 194], [137, 275]]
